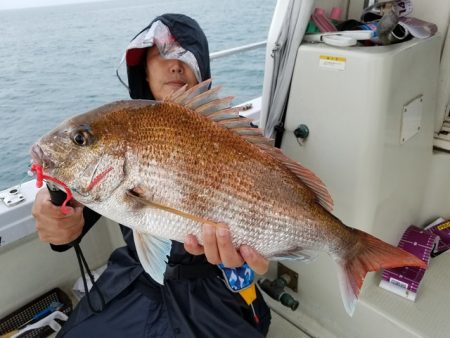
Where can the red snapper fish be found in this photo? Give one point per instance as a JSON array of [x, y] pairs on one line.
[[165, 168]]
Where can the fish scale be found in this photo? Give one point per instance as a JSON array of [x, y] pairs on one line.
[[164, 170]]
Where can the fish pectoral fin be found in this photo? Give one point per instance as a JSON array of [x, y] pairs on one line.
[[138, 195], [298, 254], [152, 252]]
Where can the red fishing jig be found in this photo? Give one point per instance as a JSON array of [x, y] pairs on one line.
[[40, 177]]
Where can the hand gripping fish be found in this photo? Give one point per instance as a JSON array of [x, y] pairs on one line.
[[165, 168]]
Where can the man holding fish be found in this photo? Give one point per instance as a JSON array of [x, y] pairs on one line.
[[190, 165], [156, 287]]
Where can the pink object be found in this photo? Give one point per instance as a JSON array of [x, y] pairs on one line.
[[319, 11], [336, 13], [322, 22]]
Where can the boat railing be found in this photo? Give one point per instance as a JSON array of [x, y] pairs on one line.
[[235, 50], [253, 107]]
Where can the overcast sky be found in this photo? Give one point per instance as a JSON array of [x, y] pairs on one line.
[[9, 4]]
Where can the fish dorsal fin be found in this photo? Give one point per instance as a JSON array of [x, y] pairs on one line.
[[236, 122], [214, 105], [183, 95], [203, 98], [311, 180], [206, 102]]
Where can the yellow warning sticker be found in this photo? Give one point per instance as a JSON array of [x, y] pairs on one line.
[[332, 62], [443, 226]]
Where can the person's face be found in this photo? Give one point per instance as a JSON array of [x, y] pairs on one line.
[[164, 76]]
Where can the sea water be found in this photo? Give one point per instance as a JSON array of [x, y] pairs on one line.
[[60, 61]]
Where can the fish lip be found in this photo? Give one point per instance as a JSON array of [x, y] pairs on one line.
[[39, 157]]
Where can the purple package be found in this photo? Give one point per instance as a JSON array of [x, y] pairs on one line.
[[405, 281], [441, 228]]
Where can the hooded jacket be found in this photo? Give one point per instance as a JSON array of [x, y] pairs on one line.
[[188, 34]]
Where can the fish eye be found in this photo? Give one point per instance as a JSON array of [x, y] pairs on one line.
[[79, 139], [81, 136]]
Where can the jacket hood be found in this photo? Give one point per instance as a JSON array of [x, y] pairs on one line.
[[187, 34]]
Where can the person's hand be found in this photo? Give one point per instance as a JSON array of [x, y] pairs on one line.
[[218, 248], [52, 225]]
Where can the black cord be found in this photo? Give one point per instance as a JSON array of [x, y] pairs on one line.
[[81, 262], [58, 197]]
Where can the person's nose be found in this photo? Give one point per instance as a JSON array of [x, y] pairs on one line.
[[176, 67]]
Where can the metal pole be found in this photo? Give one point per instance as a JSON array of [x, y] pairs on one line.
[[236, 50]]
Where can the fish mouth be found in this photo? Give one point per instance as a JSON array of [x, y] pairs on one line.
[[39, 157]]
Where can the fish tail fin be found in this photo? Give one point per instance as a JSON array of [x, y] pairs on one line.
[[369, 254]]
